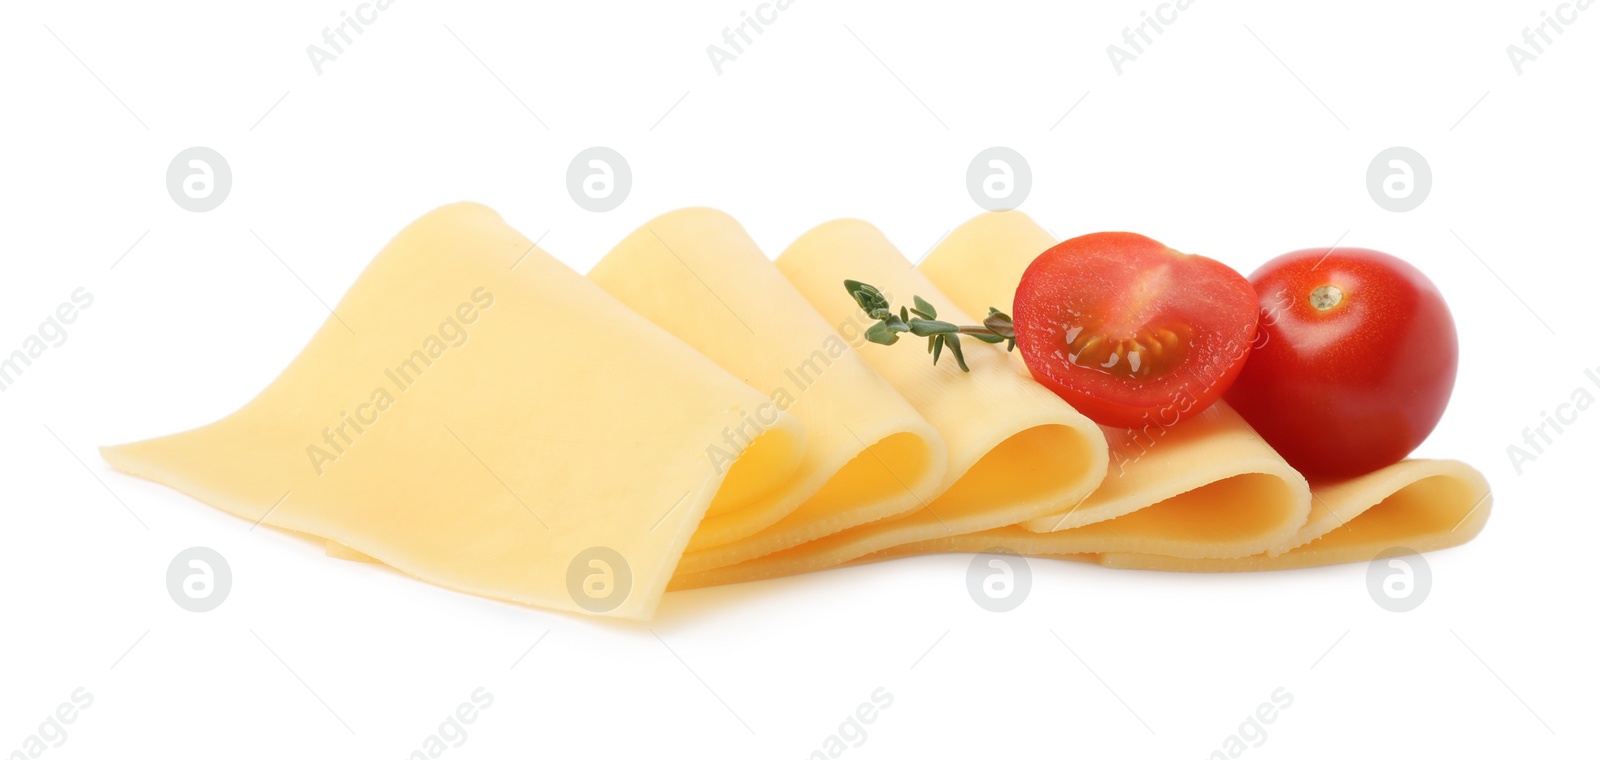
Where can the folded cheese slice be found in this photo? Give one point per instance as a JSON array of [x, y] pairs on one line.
[[1016, 451], [1211, 488], [1416, 504], [479, 416], [1227, 525], [697, 274]]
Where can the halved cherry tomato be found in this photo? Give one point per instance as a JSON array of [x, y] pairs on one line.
[[1131, 332], [1355, 363]]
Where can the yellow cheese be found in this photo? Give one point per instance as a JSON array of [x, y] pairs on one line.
[[1417, 504], [1016, 451], [697, 274], [480, 416], [1422, 504], [1211, 488]]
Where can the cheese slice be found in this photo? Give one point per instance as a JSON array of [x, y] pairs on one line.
[[1416, 504], [1422, 504], [1016, 450], [479, 416], [1214, 490], [697, 274]]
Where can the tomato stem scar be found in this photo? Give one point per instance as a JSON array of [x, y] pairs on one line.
[[1326, 297]]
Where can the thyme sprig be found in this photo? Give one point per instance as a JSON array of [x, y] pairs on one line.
[[922, 320]]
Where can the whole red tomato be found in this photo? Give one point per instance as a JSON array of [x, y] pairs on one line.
[[1354, 360]]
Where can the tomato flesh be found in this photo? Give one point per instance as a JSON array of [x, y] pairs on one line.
[[1355, 364], [1130, 332]]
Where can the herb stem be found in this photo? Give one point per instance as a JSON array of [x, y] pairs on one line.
[[996, 327]]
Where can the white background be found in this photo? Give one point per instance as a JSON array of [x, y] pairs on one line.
[[1245, 131]]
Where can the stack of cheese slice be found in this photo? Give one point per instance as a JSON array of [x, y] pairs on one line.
[[479, 416], [1012, 450]]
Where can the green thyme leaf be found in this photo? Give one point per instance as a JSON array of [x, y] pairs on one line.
[[931, 327], [997, 327], [999, 323], [955, 348], [869, 298], [881, 334]]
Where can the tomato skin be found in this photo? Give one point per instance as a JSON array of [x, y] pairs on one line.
[[1356, 387], [1130, 332]]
